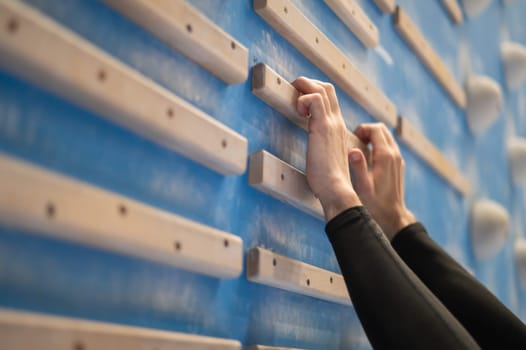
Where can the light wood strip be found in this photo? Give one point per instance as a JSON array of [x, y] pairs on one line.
[[279, 94], [21, 330], [356, 20], [271, 269], [428, 56], [282, 181], [454, 11], [288, 20], [386, 6], [419, 144], [188, 31], [43, 52], [50, 204]]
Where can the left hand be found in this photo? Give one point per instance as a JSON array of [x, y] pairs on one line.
[[327, 152]]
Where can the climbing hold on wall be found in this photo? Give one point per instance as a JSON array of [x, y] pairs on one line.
[[489, 228], [520, 260], [514, 59], [484, 102], [517, 159], [474, 8]]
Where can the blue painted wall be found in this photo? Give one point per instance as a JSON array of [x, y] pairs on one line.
[[62, 278]]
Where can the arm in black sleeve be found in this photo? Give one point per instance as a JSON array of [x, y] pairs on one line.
[[395, 308], [487, 320]]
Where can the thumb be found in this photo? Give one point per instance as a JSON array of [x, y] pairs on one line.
[[360, 172]]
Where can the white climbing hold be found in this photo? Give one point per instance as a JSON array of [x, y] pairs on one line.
[[484, 102], [474, 8], [514, 59], [520, 260], [517, 159], [489, 228]]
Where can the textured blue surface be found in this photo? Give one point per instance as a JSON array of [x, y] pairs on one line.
[[63, 278]]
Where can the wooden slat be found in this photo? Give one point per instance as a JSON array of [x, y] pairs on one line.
[[46, 203], [386, 6], [417, 142], [282, 181], [287, 19], [356, 20], [279, 94], [428, 56], [29, 331], [454, 11], [266, 267], [188, 31], [51, 56]]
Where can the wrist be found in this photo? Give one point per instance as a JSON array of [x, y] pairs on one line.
[[403, 220], [345, 199]]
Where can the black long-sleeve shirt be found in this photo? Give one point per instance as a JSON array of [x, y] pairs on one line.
[[418, 298]]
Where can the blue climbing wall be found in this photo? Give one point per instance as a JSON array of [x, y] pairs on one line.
[[67, 279]]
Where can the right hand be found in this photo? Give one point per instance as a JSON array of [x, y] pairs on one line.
[[381, 189]]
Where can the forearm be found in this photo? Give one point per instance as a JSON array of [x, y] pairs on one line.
[[487, 319], [395, 308]]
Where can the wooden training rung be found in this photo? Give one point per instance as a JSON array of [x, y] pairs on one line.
[[51, 56], [356, 20], [428, 56], [188, 31], [416, 141], [386, 6], [50, 204], [282, 181], [279, 94], [285, 18], [454, 11], [20, 330], [271, 269]]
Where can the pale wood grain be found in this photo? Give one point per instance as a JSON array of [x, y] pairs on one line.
[[279, 94], [282, 181], [419, 144], [45, 53], [454, 11], [43, 202], [428, 56], [29, 331], [188, 31], [297, 29], [356, 20], [386, 6], [269, 268]]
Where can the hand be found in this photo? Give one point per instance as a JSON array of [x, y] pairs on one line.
[[327, 153], [382, 188]]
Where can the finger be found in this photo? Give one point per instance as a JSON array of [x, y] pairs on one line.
[[371, 133], [388, 136], [359, 170], [331, 94], [311, 104], [310, 86]]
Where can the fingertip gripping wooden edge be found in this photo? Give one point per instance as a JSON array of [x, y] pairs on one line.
[[298, 30], [49, 55], [188, 31], [271, 269], [46, 203], [20, 330], [419, 144], [279, 94]]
